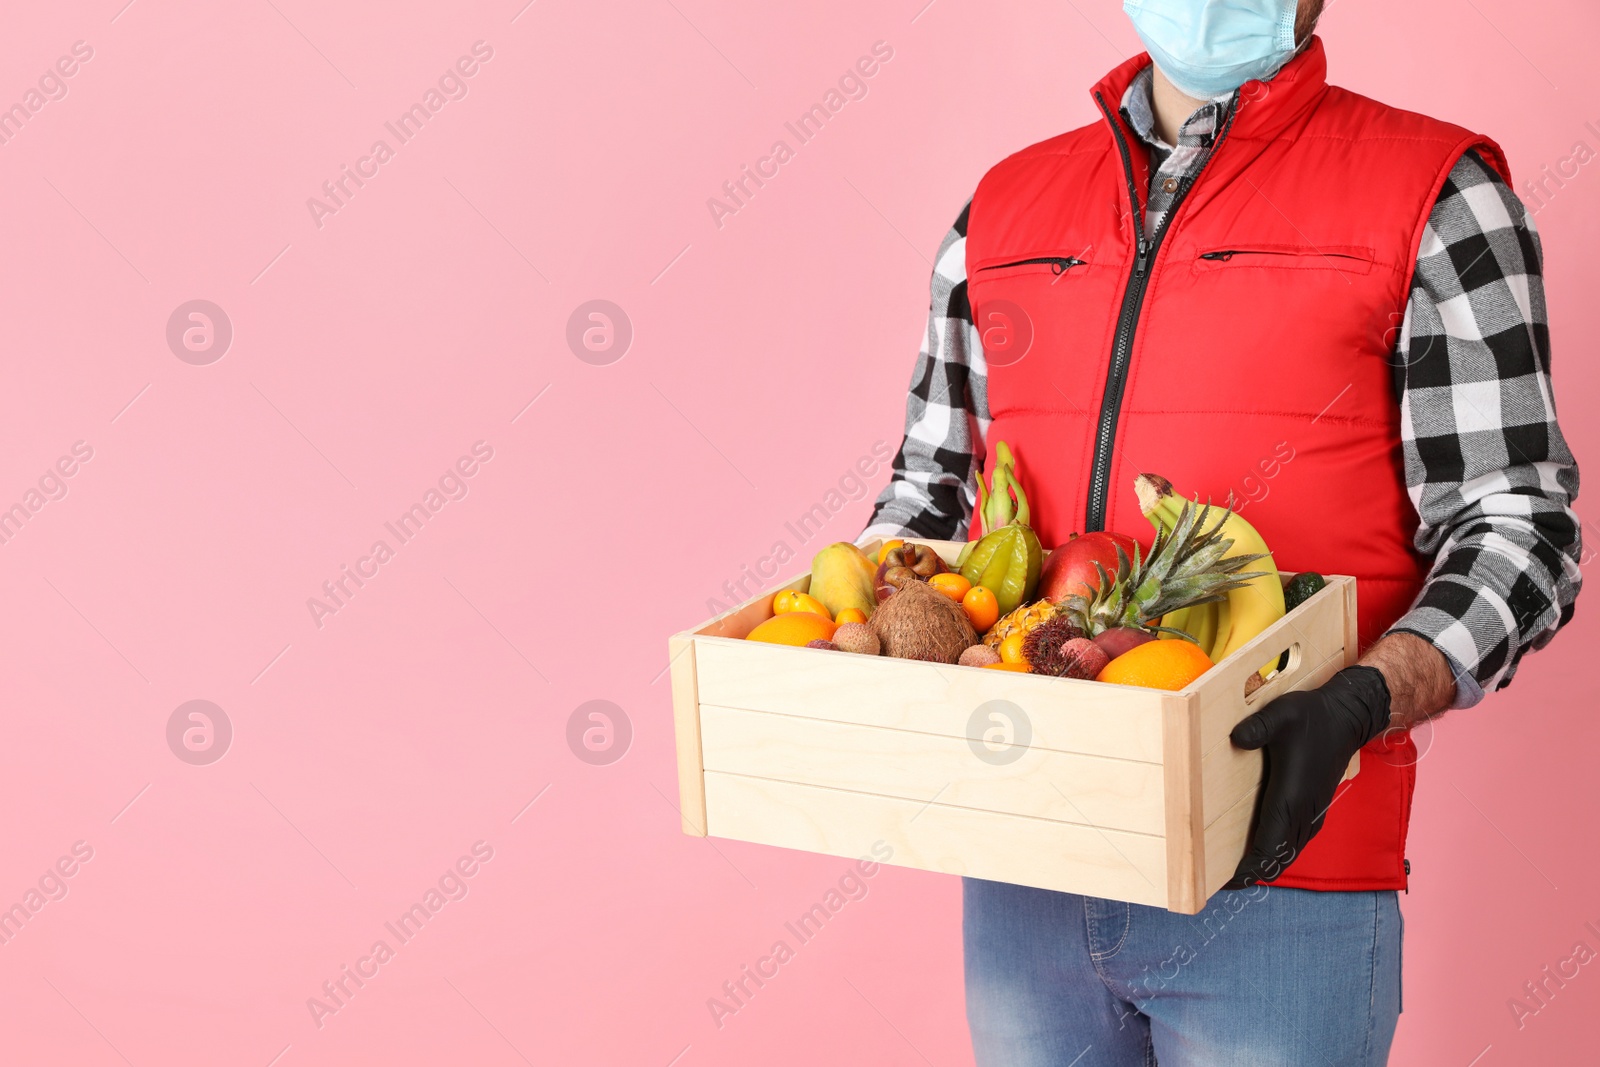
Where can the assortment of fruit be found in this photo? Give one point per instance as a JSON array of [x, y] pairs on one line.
[[1101, 607]]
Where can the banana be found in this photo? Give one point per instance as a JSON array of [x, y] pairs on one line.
[[1259, 602], [1182, 619], [1249, 609], [1207, 619], [1223, 630], [1199, 621]]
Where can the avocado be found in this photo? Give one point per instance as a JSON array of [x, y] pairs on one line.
[[1301, 588]]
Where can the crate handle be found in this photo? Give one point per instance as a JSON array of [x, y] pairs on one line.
[[1272, 687]]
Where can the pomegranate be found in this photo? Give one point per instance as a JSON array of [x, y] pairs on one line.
[[1070, 568]]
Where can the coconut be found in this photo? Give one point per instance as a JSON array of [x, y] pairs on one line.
[[919, 622], [857, 637]]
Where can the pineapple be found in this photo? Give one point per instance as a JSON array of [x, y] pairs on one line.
[[1185, 567], [1021, 621]]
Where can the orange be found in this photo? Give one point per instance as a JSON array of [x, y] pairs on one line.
[[887, 546], [790, 600], [1158, 665], [794, 628], [850, 615], [1011, 649], [951, 585], [983, 610], [1020, 668]]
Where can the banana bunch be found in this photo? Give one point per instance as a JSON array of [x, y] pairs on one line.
[[1222, 627]]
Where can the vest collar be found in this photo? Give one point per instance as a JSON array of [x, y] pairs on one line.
[[1264, 108]]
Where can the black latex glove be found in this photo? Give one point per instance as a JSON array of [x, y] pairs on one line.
[[1309, 737]]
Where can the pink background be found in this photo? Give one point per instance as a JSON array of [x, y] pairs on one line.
[[768, 356]]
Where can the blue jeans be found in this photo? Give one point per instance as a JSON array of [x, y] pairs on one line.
[[1263, 977]]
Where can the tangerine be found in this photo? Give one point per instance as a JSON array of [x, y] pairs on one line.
[[982, 608], [1020, 668], [887, 547], [1011, 649], [1158, 665], [789, 600], [951, 585], [850, 615], [794, 628]]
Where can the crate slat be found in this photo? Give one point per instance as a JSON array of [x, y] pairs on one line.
[[1068, 716], [937, 837], [686, 735], [1091, 790], [1352, 640], [1185, 807]]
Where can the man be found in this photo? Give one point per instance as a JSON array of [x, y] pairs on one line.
[[1240, 275]]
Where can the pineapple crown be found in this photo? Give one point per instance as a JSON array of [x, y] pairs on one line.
[[1185, 567]]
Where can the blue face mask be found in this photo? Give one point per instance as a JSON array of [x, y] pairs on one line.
[[1207, 48]]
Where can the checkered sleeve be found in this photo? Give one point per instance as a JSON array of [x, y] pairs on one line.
[[1487, 467], [932, 491]]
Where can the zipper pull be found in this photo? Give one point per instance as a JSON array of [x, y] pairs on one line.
[[1143, 260], [1222, 256]]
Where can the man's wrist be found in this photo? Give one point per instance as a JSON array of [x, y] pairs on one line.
[[1419, 678]]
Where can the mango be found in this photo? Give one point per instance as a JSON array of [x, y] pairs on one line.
[[842, 577]]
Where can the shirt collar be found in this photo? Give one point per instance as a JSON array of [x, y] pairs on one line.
[[1138, 111]]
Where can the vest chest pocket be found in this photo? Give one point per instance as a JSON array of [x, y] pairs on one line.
[[1020, 265], [1038, 306], [1344, 259]]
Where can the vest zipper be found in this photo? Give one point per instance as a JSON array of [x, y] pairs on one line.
[[1132, 304], [1058, 264]]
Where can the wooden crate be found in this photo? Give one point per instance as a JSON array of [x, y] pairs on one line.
[[1106, 790]]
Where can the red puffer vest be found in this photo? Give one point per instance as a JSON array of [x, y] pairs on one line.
[[1246, 351]]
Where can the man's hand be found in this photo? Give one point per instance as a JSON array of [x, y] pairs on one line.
[[1309, 737]]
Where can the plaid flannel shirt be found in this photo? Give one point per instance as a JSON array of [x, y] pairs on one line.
[[1486, 465]]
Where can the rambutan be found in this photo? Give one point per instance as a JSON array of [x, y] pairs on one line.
[[1042, 647]]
